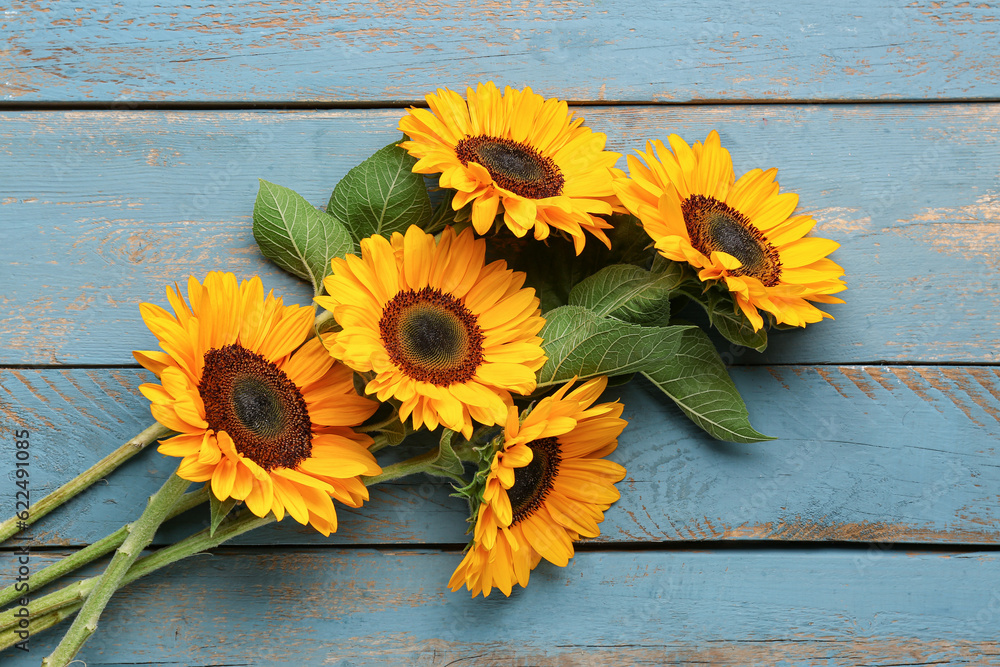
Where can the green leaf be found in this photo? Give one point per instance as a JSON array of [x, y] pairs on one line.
[[578, 342], [697, 381], [630, 244], [295, 236], [447, 463], [381, 195], [394, 432], [628, 293], [219, 510], [620, 380], [737, 329], [661, 264], [723, 314]]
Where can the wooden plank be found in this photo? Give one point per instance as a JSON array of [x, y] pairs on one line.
[[732, 607], [100, 210], [579, 50], [866, 454]]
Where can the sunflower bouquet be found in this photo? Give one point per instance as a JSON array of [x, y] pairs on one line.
[[477, 287]]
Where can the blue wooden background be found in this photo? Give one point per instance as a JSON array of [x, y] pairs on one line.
[[131, 138]]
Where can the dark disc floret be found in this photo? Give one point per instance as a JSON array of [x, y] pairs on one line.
[[714, 226], [253, 401], [432, 336], [513, 165], [533, 482]]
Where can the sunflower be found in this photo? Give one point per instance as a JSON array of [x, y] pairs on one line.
[[547, 485], [262, 413], [741, 233], [447, 336], [518, 153]]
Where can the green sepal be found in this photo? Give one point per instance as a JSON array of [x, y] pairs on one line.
[[219, 510], [443, 214], [394, 432], [485, 444], [447, 464], [729, 320], [385, 421], [781, 326], [723, 312]]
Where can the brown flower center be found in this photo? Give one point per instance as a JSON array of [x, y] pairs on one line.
[[713, 226], [253, 401], [432, 337], [533, 482], [514, 166]]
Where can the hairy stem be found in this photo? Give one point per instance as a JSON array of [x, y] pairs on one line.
[[140, 535], [421, 463], [50, 609], [91, 553], [74, 594], [37, 624], [97, 471]]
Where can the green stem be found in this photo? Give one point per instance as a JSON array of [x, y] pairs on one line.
[[140, 535], [91, 553], [378, 426], [37, 624], [422, 463], [97, 471], [54, 607], [383, 439], [76, 593], [482, 436], [200, 541], [381, 442]]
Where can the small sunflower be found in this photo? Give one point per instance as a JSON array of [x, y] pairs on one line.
[[447, 336], [262, 413], [741, 232], [518, 153], [547, 486]]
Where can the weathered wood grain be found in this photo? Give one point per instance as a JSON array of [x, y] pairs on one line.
[[575, 49], [866, 454], [733, 607], [100, 210]]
